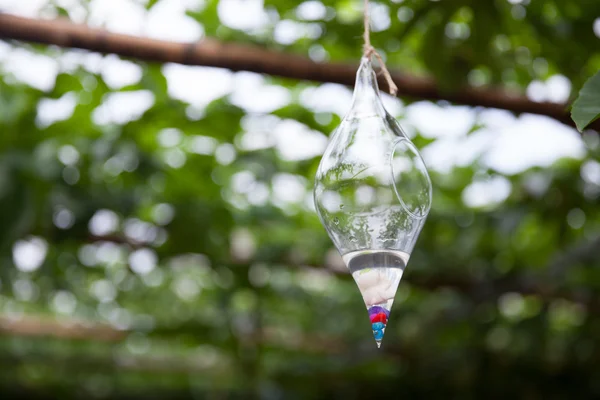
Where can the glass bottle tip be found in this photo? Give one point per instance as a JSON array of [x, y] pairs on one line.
[[378, 336]]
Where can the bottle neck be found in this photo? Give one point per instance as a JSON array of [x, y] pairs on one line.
[[366, 100]]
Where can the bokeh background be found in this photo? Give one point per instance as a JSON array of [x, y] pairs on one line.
[[158, 237]]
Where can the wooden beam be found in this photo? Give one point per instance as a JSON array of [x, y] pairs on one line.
[[210, 52], [71, 329], [65, 329]]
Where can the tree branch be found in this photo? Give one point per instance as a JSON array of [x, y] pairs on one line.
[[213, 53], [67, 329], [71, 329]]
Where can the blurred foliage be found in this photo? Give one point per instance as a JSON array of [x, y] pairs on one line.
[[179, 228]]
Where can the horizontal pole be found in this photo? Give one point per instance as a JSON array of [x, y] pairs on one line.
[[71, 329], [63, 329], [212, 53]]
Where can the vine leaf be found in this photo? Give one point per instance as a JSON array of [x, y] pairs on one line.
[[586, 108]]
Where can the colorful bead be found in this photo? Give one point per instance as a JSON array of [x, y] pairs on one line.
[[377, 326], [379, 317], [378, 335], [378, 309]]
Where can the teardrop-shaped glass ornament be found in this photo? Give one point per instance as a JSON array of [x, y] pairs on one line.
[[372, 194]]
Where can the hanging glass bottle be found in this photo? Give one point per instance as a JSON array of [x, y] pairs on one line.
[[372, 194]]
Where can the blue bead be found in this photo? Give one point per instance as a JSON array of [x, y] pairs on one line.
[[378, 335], [377, 326]]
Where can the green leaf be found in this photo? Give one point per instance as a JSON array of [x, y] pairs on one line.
[[150, 4], [586, 108]]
